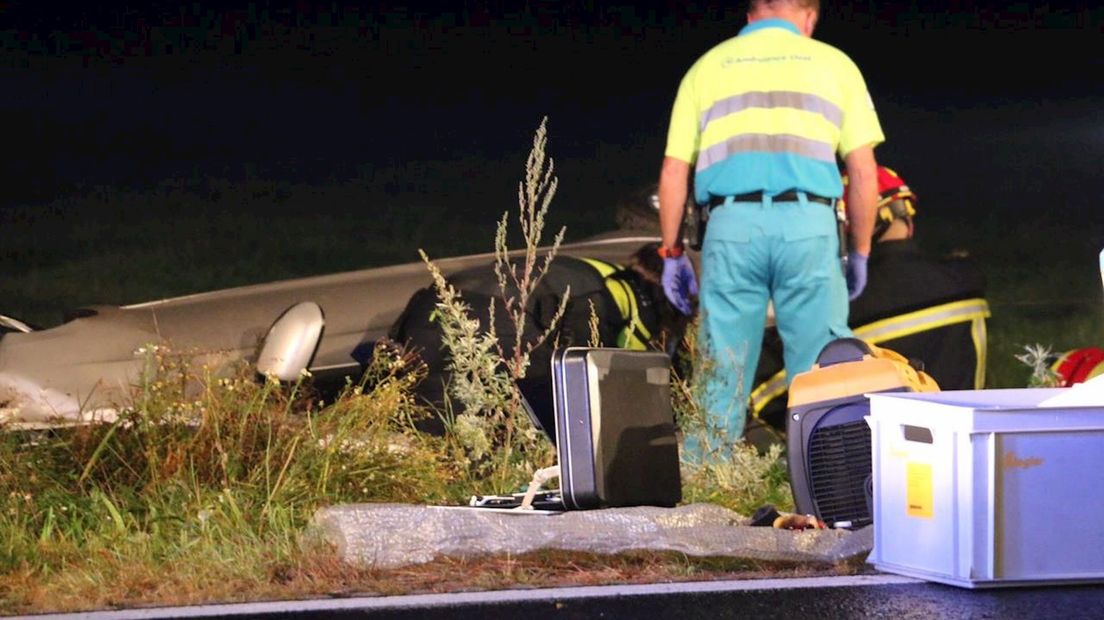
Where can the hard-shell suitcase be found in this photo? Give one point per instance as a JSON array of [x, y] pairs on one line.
[[828, 441], [615, 428]]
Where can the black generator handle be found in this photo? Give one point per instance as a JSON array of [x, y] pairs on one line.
[[843, 350]]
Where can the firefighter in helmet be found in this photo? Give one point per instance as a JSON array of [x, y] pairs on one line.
[[931, 310]]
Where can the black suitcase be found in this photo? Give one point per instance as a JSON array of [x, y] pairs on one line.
[[615, 428]]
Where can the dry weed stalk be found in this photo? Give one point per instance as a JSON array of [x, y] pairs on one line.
[[534, 197], [1038, 358], [484, 373]]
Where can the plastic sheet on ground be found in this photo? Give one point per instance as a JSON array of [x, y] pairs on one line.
[[394, 535]]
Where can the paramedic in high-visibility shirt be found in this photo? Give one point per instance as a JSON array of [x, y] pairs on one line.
[[761, 118]]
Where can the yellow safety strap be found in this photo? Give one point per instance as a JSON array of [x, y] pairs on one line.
[[767, 391], [973, 310], [634, 335], [604, 269], [981, 345]]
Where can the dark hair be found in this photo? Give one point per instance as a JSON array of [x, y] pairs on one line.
[[647, 262]]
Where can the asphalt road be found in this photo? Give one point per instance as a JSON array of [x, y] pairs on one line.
[[868, 596]]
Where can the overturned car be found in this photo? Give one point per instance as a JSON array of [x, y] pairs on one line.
[[86, 368]]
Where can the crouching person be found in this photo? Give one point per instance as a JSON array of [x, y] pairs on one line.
[[623, 305]]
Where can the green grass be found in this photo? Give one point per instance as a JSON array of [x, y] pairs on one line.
[[114, 245], [213, 477], [1043, 282]]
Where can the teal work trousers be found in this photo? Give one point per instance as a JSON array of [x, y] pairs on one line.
[[784, 252]]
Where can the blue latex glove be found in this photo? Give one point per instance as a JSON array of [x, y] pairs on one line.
[[856, 274], [679, 282]]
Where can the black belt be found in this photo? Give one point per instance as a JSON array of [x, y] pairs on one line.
[[787, 196]]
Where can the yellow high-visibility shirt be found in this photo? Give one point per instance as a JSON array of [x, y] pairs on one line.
[[769, 110]]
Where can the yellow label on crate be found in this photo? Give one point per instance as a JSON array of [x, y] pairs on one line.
[[919, 489]]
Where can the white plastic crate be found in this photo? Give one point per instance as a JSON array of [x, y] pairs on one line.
[[981, 488]]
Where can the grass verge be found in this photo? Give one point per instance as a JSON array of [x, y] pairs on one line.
[[182, 502]]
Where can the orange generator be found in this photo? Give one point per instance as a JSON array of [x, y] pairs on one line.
[[827, 438]]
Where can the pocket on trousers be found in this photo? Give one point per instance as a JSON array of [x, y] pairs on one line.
[[729, 224], [813, 220]]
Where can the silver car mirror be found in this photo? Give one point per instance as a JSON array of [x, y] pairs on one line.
[[10, 324], [290, 344]]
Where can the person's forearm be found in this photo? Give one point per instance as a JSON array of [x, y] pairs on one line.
[[673, 183], [862, 197]]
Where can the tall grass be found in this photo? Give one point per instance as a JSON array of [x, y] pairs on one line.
[[735, 475], [485, 370], [216, 486]]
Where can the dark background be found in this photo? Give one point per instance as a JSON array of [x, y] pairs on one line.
[[319, 90], [992, 110]]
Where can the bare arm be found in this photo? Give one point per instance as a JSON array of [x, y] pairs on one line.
[[674, 178], [862, 196]]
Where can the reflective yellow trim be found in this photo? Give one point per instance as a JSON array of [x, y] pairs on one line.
[[767, 391], [981, 345], [634, 335], [604, 269], [973, 310], [923, 320]]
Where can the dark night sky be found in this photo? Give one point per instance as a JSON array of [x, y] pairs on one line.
[[318, 90]]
